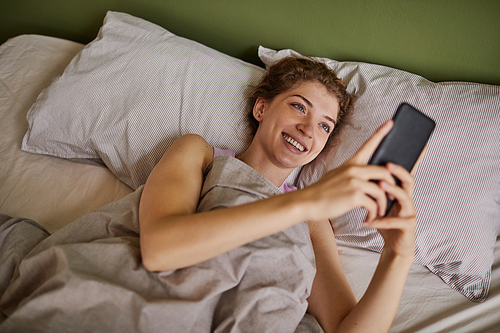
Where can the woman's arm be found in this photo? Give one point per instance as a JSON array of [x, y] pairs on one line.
[[331, 300], [173, 235]]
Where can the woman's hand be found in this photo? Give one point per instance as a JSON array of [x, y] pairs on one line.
[[356, 184], [353, 184], [398, 227]]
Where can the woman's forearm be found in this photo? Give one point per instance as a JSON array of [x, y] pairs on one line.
[[376, 310], [173, 235], [182, 240]]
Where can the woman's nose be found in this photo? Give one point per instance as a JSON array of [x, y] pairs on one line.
[[305, 127]]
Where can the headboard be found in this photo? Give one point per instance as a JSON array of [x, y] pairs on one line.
[[440, 40]]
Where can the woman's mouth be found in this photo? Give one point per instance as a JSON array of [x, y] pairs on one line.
[[294, 143]]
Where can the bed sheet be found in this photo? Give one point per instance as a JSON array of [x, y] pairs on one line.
[[49, 190], [428, 304], [54, 192]]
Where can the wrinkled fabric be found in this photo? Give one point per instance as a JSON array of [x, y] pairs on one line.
[[88, 276]]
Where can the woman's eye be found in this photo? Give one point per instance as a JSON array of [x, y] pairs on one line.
[[299, 107], [326, 128]]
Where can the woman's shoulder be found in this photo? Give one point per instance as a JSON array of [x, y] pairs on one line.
[[191, 146], [197, 142], [192, 140]]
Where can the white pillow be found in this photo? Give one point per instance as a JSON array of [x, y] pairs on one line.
[[135, 89], [456, 186]]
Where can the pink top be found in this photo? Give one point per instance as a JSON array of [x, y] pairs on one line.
[[223, 152]]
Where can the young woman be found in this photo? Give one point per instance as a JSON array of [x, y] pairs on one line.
[[296, 108]]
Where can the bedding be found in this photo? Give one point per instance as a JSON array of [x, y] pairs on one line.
[[54, 191], [456, 185], [28, 65], [136, 88], [261, 286]]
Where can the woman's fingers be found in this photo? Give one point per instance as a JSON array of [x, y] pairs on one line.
[[361, 184], [377, 195], [371, 172], [404, 176], [369, 147], [371, 207], [403, 198], [391, 223], [368, 185]]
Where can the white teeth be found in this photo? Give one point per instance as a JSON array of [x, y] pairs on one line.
[[293, 142]]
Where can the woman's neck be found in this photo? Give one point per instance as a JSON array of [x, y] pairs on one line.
[[261, 163]]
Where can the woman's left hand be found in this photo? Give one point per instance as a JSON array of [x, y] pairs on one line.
[[398, 226]]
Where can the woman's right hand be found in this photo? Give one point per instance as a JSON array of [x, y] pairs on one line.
[[356, 184], [353, 184]]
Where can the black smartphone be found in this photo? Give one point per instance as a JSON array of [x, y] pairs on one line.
[[406, 140]]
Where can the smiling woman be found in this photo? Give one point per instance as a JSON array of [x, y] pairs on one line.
[[291, 107], [245, 228], [292, 71], [293, 129], [145, 87]]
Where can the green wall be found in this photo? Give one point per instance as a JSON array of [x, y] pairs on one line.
[[442, 40]]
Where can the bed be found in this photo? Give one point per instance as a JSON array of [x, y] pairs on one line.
[[82, 127]]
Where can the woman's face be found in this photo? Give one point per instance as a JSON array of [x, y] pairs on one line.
[[295, 126]]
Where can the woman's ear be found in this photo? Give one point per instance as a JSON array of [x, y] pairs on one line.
[[258, 108]]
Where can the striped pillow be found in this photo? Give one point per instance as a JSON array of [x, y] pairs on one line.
[[132, 91], [457, 190]]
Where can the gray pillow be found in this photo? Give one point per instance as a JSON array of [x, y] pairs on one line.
[[456, 186], [135, 89]]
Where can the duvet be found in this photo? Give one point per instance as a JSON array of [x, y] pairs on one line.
[[88, 275]]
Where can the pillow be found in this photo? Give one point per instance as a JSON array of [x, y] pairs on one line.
[[132, 91], [456, 185]]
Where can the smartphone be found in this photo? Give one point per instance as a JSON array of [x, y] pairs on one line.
[[406, 140]]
